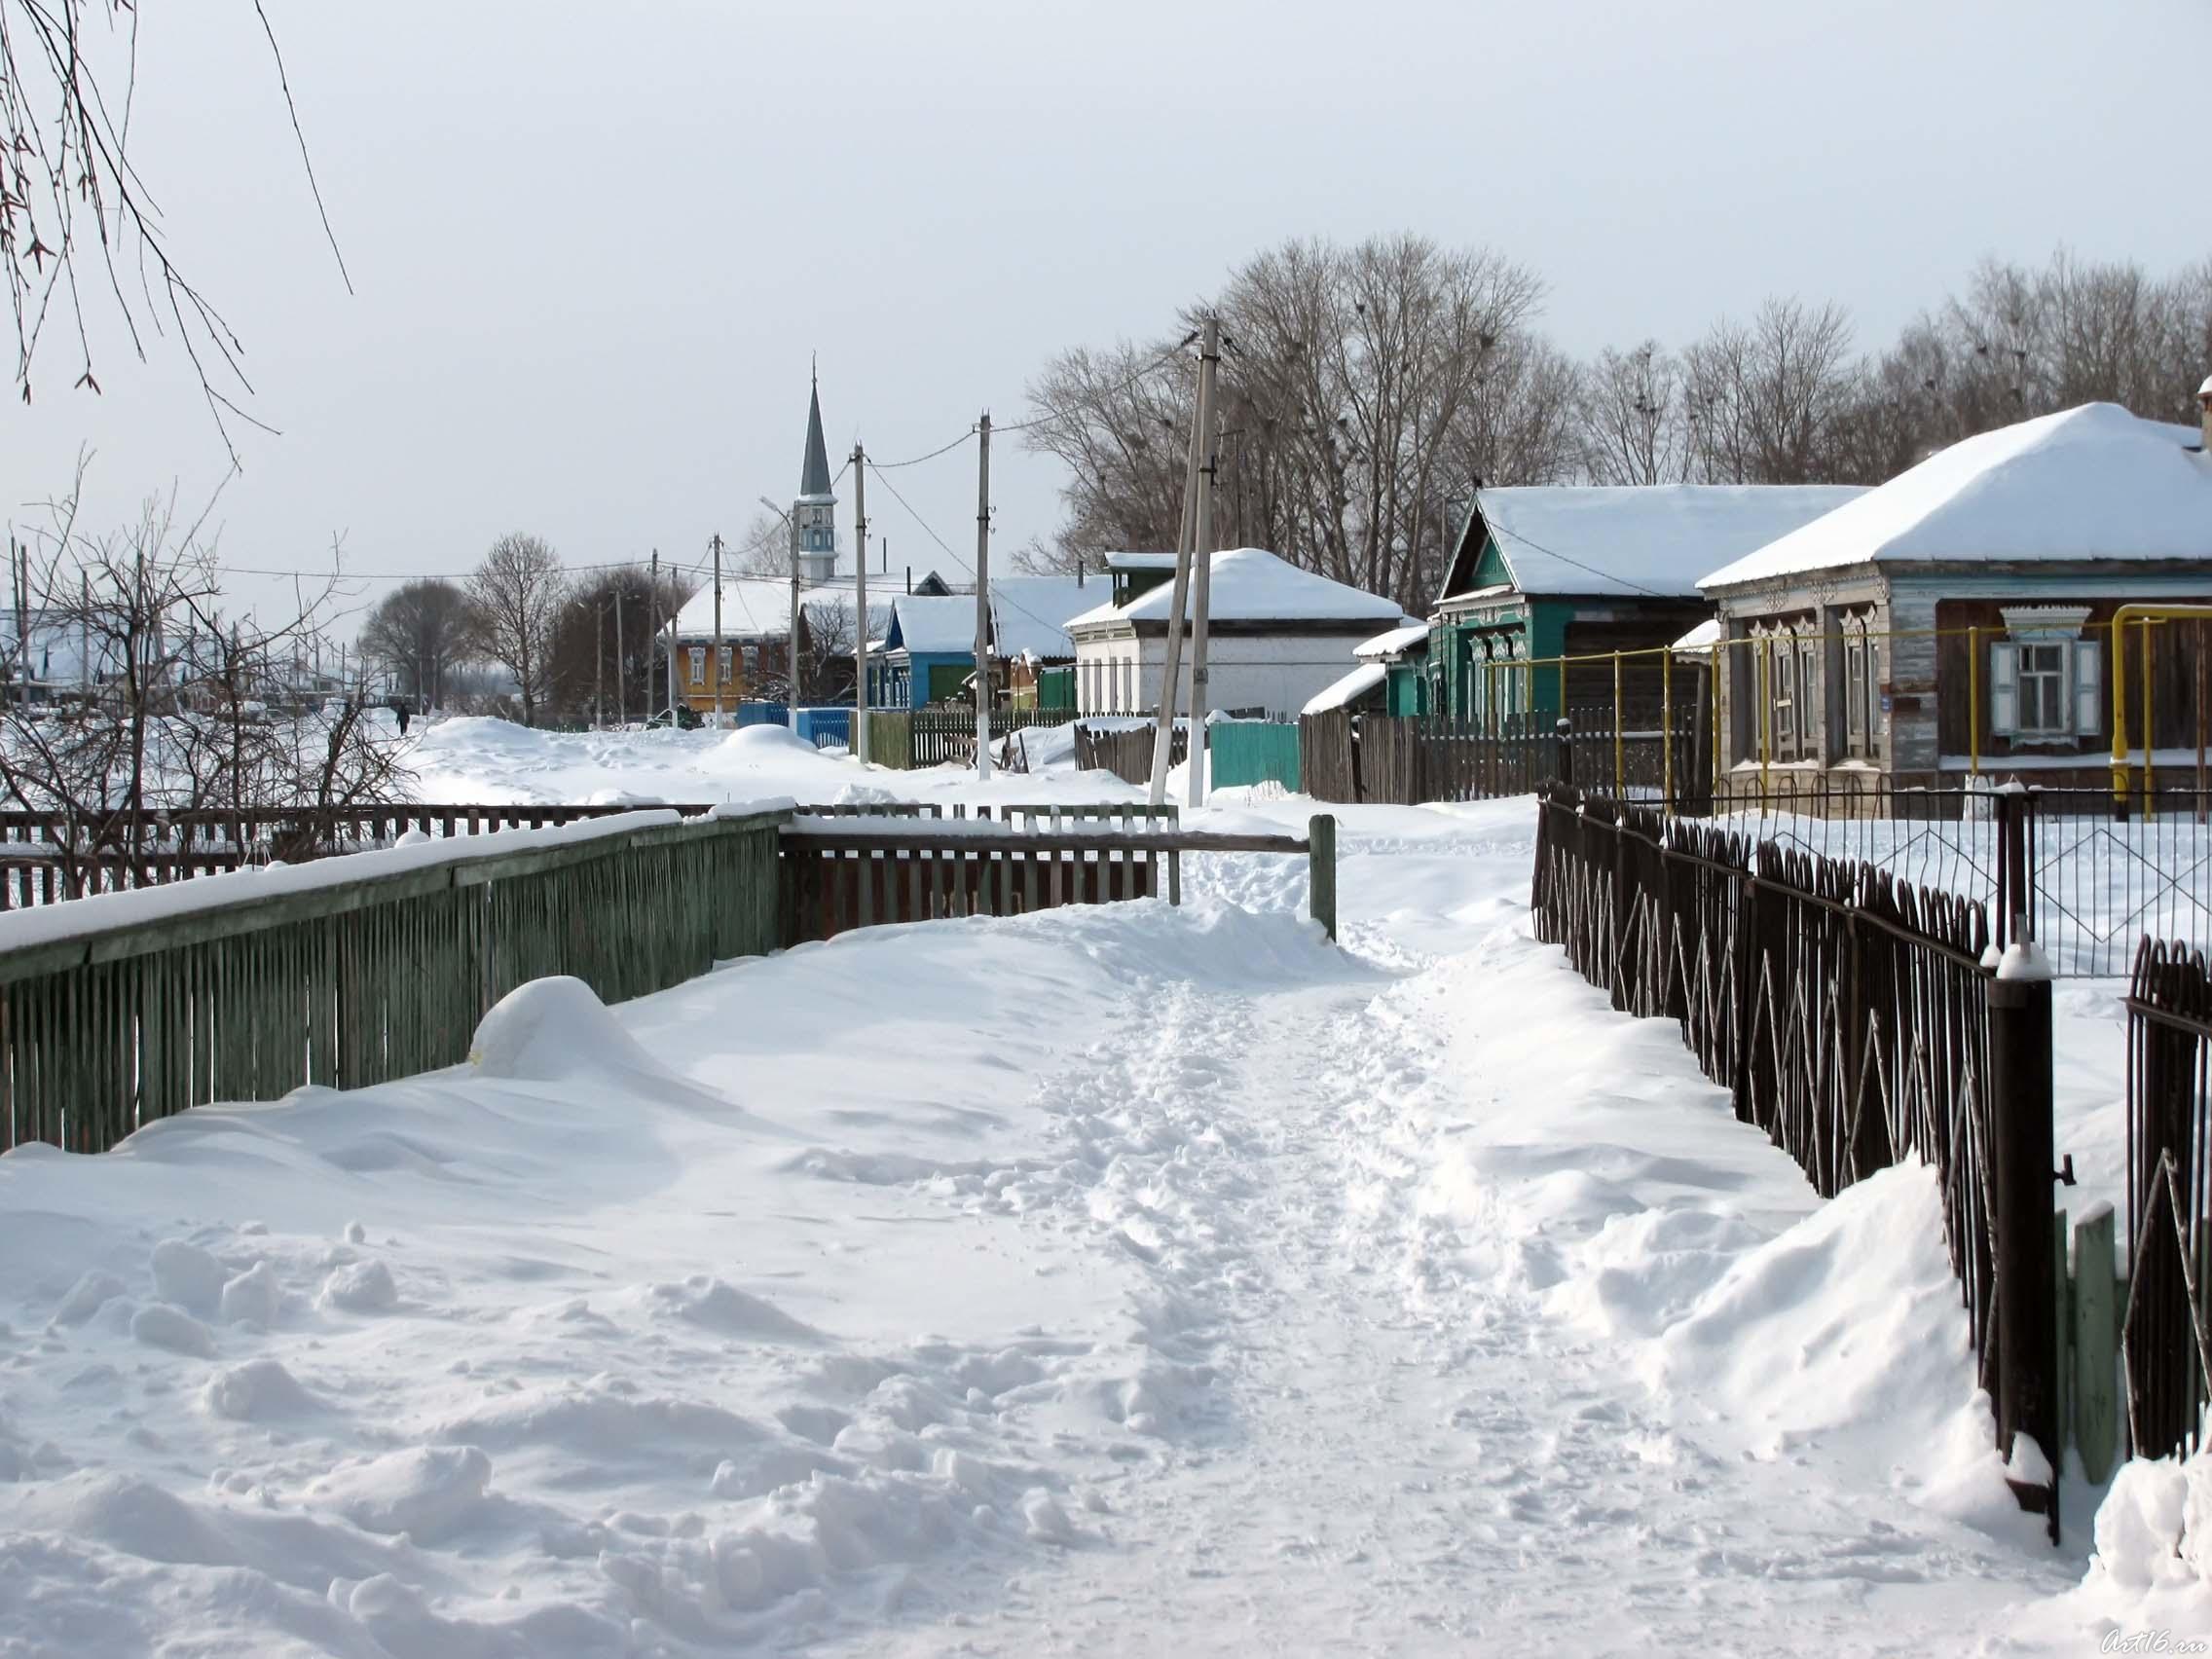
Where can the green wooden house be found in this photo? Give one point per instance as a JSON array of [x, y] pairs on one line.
[[1542, 573]]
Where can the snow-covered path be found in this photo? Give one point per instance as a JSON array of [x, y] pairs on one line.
[[1398, 1443], [1115, 1280]]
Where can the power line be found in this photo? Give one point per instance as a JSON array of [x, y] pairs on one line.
[[997, 595], [1045, 419]]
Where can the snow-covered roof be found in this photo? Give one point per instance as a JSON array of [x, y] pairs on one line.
[[1140, 561], [2093, 482], [1395, 642], [1030, 614], [1700, 638], [1339, 693], [937, 624], [761, 606], [1249, 584], [1649, 538]]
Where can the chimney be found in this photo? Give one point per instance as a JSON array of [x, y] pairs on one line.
[[2204, 402]]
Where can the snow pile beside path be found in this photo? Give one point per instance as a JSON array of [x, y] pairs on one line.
[[1844, 1331], [1769, 1326], [2153, 1568]]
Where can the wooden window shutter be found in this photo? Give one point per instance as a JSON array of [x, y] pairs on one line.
[[2088, 683], [2004, 688]]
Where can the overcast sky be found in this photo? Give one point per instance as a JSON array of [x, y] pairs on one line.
[[592, 247]]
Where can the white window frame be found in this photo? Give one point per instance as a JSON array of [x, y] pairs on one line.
[[2077, 667], [698, 665]]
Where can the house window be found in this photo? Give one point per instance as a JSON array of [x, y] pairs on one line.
[[721, 667], [2046, 682], [698, 665], [1862, 688]]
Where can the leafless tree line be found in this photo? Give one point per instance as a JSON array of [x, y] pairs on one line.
[[1368, 389], [131, 693], [526, 635]]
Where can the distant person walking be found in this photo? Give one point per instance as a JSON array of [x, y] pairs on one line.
[[400, 708]]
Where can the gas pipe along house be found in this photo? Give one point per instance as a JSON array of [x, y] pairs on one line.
[[1959, 618], [1276, 635]]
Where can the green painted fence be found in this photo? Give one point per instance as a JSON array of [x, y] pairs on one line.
[[1253, 752], [108, 1028]]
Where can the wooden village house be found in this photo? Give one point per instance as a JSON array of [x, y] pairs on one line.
[[1958, 618], [1569, 571]]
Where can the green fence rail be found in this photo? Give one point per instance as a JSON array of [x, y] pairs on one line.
[[109, 1027]]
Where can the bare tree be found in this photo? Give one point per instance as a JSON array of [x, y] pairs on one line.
[[1764, 397], [515, 597], [764, 550], [1633, 416], [1363, 386], [70, 185], [146, 700], [416, 633]]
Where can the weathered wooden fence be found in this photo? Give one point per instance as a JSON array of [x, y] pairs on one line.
[[864, 869], [1406, 760], [46, 857], [1127, 750], [2167, 1340], [107, 1025], [113, 1014], [1852, 1019], [931, 737]]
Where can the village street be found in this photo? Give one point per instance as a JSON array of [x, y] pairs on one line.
[[1137, 1280]]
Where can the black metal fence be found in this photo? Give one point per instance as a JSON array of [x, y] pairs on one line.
[[1850, 1014], [2093, 885], [2165, 1343]]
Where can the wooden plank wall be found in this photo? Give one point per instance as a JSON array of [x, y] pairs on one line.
[[363, 982]]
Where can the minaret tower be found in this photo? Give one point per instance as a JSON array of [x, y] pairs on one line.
[[814, 515]]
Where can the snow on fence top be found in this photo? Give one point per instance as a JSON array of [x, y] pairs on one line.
[[2093, 482], [110, 913]]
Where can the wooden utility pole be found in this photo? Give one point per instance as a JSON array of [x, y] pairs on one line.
[[860, 603], [983, 602], [791, 703], [599, 666], [1171, 669], [718, 545], [653, 636], [621, 662], [1201, 562]]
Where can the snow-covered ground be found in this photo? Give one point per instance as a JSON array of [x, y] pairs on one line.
[[1122, 1279]]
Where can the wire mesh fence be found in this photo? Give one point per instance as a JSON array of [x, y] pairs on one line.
[[2093, 884]]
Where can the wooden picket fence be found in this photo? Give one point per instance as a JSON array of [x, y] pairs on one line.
[[46, 857], [1127, 751], [110, 1027], [242, 994]]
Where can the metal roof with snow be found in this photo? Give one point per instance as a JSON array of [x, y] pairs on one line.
[[2091, 482], [1385, 648], [1251, 585], [1654, 540], [1342, 694]]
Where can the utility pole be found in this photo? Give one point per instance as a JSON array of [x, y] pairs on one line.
[[983, 603], [860, 603], [652, 634], [717, 630], [621, 662], [599, 666], [791, 703], [1171, 669], [1202, 560]]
